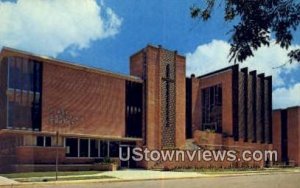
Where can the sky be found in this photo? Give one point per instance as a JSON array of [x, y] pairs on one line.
[[104, 33]]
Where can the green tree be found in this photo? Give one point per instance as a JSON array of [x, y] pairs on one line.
[[257, 21]]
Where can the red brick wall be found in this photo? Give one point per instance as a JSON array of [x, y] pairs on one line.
[[3, 88], [195, 101], [137, 64], [153, 121], [276, 131], [207, 138], [95, 103], [152, 56], [169, 165], [39, 155], [293, 125], [153, 137], [180, 101], [224, 78]]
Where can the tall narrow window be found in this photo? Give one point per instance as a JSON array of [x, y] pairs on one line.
[[24, 93], [134, 106], [212, 108]]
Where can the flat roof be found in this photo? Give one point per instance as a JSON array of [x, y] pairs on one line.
[[287, 108], [230, 68], [218, 71], [69, 64], [156, 47]]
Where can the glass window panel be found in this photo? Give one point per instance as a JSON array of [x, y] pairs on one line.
[[48, 141], [11, 67], [103, 149], [11, 114], [94, 148], [113, 149], [212, 108], [84, 148], [72, 147], [40, 141]]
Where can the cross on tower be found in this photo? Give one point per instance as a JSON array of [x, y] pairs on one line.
[[168, 80]]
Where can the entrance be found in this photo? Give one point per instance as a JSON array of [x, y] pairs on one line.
[[127, 154]]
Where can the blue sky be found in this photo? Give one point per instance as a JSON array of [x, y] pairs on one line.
[[165, 22], [105, 33]]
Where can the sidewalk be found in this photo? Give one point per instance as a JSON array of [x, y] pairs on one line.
[[151, 174], [6, 181]]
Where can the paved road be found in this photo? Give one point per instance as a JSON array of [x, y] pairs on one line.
[[285, 180]]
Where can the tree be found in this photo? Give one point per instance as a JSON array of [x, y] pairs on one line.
[[257, 21]]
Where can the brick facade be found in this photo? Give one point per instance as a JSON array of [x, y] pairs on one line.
[[149, 64], [93, 110], [3, 88], [286, 135], [156, 107]]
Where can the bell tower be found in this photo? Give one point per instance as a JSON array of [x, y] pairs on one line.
[[163, 72]]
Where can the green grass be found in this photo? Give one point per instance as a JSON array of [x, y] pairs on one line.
[[48, 174], [41, 179]]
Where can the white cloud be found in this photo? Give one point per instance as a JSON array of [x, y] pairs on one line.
[[286, 97], [49, 27], [213, 56]]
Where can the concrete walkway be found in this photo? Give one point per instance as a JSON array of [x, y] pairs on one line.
[[151, 174], [6, 181]]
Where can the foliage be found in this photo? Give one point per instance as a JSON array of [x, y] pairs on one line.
[[258, 20]]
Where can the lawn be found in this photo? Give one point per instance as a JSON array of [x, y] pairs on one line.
[[48, 174], [63, 178]]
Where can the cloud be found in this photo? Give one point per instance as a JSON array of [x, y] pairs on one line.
[[286, 97], [213, 56], [50, 27]]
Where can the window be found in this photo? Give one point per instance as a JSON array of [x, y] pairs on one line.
[[113, 149], [94, 148], [40, 141], [24, 83], [103, 149], [134, 103], [11, 108], [212, 108], [43, 141], [47, 141], [24, 74], [72, 147], [84, 148], [91, 148]]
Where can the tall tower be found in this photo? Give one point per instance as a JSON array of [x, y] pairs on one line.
[[163, 72]]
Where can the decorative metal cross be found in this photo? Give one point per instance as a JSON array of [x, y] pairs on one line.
[[168, 80]]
